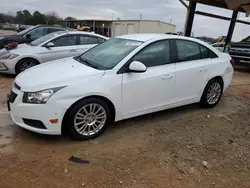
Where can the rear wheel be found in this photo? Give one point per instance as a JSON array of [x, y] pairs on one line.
[[212, 93], [88, 119], [25, 64]]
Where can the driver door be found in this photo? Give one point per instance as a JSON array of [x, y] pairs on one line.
[[154, 89], [64, 46]]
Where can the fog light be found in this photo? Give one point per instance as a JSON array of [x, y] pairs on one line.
[[3, 67]]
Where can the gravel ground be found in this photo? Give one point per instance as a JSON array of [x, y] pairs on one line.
[[183, 147]]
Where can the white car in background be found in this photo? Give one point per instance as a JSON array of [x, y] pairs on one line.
[[50, 47], [124, 77]]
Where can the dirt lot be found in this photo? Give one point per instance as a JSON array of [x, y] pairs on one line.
[[184, 147]]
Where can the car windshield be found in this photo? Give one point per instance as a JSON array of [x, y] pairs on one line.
[[43, 39], [108, 54], [25, 31]]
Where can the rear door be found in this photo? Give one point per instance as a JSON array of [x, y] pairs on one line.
[[65, 46], [191, 70]]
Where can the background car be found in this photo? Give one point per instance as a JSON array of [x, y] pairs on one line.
[[124, 77], [47, 48], [219, 46], [29, 34]]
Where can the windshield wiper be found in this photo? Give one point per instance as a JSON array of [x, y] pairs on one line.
[[88, 63]]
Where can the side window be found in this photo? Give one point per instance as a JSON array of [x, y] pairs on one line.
[[68, 40], [212, 55], [204, 52], [88, 40], [155, 54], [39, 32], [188, 50], [100, 40], [52, 30]]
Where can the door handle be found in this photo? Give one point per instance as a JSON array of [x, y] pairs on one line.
[[168, 76], [203, 69], [73, 50]]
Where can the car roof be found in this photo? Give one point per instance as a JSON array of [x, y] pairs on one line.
[[54, 26], [81, 32], [147, 37]]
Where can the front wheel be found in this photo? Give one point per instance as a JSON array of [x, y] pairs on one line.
[[212, 93], [25, 64], [88, 119]]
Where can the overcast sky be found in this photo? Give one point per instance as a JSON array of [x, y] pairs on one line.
[[164, 10]]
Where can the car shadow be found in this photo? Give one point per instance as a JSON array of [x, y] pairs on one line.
[[156, 116], [242, 69], [7, 76]]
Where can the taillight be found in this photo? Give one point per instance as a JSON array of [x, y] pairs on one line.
[[232, 61]]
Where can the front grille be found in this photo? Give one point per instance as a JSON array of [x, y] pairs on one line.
[[12, 97], [34, 123], [17, 86]]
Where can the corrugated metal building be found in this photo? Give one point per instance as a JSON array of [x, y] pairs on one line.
[[112, 28]]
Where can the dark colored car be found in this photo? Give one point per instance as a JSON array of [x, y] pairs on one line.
[[29, 34], [240, 52]]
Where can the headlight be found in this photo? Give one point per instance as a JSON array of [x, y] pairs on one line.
[[9, 56], [40, 97]]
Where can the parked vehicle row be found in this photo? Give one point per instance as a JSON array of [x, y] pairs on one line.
[[120, 78], [50, 47], [240, 52], [29, 34]]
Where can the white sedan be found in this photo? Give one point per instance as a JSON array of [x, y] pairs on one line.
[[124, 77], [47, 48]]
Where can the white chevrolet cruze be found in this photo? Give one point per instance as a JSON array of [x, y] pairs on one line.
[[50, 47], [121, 78]]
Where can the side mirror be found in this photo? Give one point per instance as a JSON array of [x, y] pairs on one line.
[[137, 66], [28, 36], [50, 44]]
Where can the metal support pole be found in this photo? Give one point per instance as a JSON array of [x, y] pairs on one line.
[[94, 25], [190, 18], [231, 29]]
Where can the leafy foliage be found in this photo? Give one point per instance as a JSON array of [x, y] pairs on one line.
[[25, 17]]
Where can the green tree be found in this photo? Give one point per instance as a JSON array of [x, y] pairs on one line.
[[52, 18], [38, 18], [70, 19]]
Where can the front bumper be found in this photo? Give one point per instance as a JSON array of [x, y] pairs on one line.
[[41, 112], [241, 60]]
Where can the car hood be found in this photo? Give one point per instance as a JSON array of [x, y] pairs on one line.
[[3, 36], [55, 74], [241, 44], [24, 49]]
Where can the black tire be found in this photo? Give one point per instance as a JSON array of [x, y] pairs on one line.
[[20, 65], [76, 108], [204, 102]]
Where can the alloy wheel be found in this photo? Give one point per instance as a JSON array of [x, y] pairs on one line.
[[213, 94], [90, 119], [26, 65]]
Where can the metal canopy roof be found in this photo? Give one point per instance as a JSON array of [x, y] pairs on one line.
[[240, 5]]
